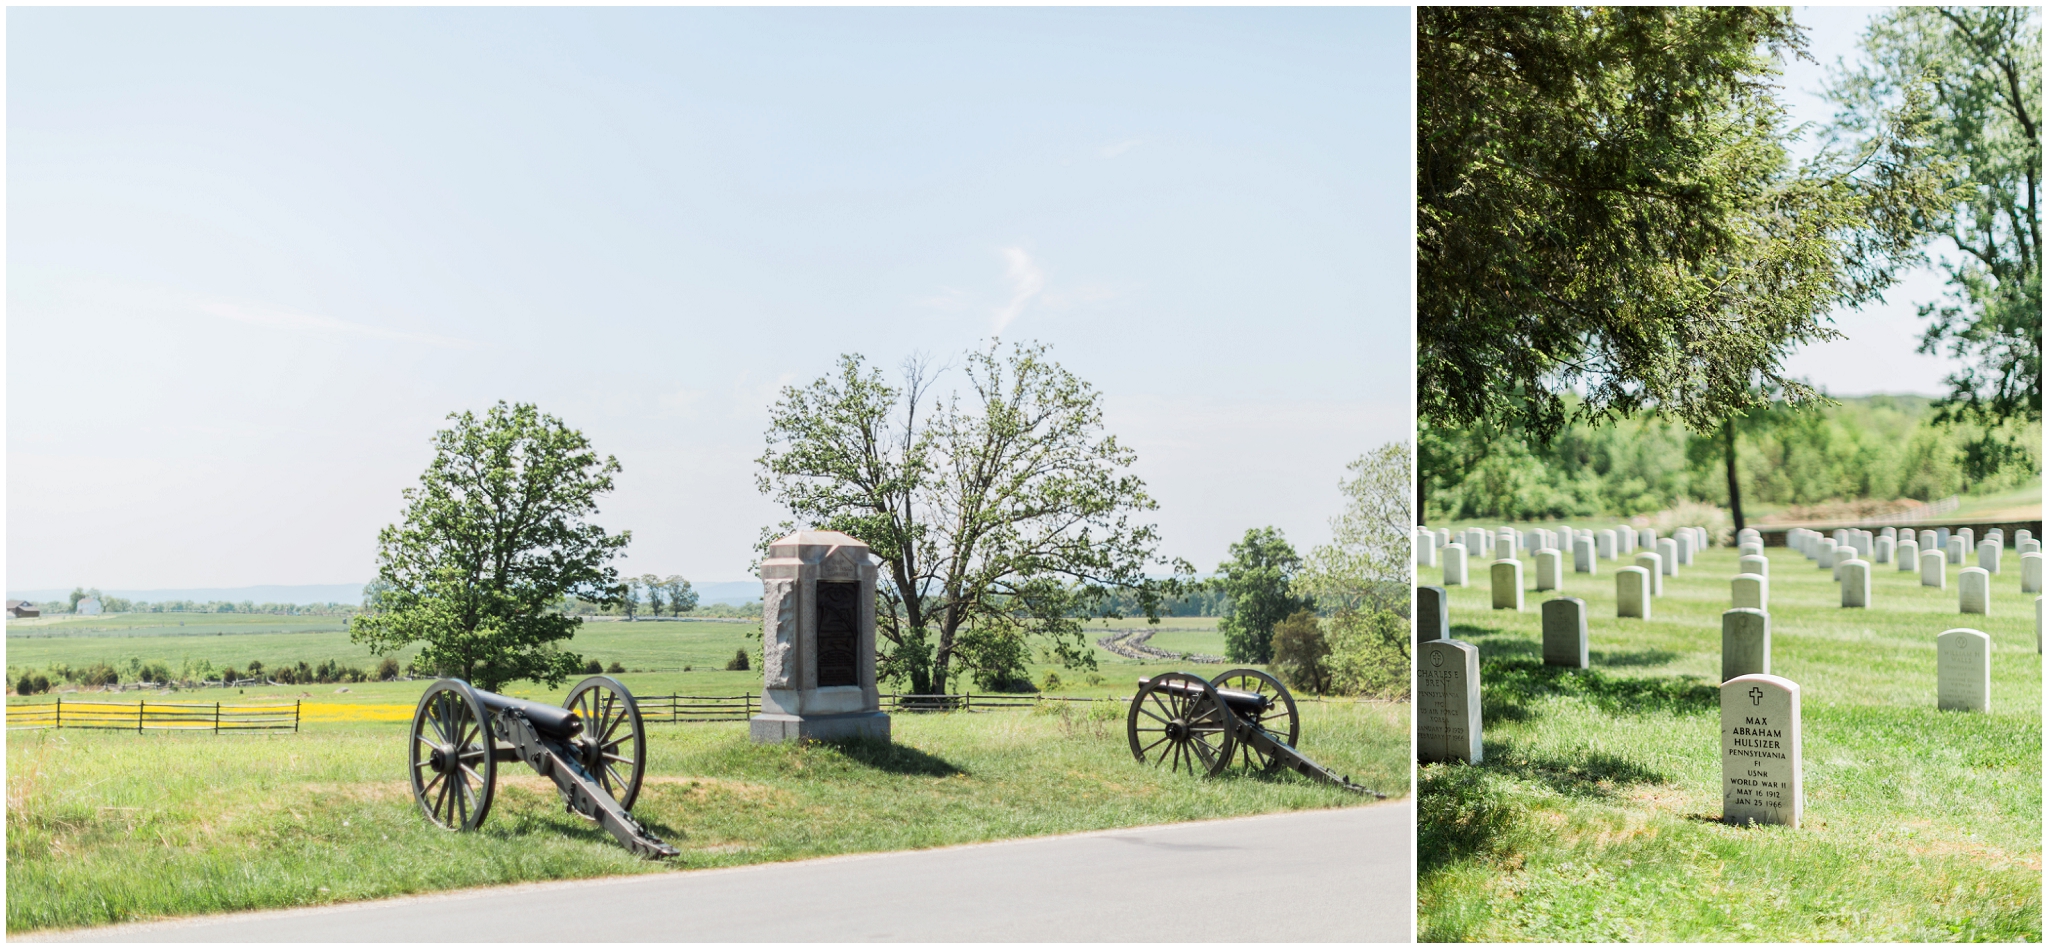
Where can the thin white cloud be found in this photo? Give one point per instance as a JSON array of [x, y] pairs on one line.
[[1111, 151], [1026, 282], [287, 319]]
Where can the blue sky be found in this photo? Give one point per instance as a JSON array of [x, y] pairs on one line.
[[1878, 355], [256, 256]]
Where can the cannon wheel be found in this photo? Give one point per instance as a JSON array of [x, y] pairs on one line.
[[453, 771], [614, 744], [1280, 720], [1192, 731]]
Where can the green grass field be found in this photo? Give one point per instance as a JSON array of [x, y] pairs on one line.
[[1595, 815], [105, 827]]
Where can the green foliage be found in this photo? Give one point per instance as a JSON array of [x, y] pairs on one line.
[[615, 668], [495, 534], [1259, 579], [387, 669], [1880, 447], [1300, 651], [1367, 562], [1369, 654], [738, 662], [1975, 75], [1605, 204], [1005, 507]]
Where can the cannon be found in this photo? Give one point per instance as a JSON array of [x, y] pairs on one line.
[[593, 747], [1243, 718]]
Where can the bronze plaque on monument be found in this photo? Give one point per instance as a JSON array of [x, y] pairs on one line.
[[838, 633]]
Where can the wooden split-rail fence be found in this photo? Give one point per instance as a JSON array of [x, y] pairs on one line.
[[216, 717]]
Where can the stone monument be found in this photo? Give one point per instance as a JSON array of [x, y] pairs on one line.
[[2030, 573], [1549, 569], [818, 641], [1755, 563], [1425, 548], [1447, 702], [1432, 614], [1507, 585], [1975, 584], [1654, 563], [1760, 753], [1564, 632], [1908, 555], [1454, 565], [1933, 572], [1962, 670], [1632, 591], [1745, 643], [1987, 555], [1856, 584], [1584, 559], [1749, 591]]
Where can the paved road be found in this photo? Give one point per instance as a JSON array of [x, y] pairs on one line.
[[1337, 875]]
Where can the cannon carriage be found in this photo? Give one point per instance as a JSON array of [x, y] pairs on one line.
[[1244, 719], [594, 748]]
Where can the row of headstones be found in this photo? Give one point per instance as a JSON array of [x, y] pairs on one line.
[[1843, 554], [1761, 779], [1507, 543], [1911, 551]]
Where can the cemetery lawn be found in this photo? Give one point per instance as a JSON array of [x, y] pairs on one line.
[[107, 827], [1595, 813]]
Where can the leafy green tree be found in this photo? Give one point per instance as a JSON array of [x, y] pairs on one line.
[[497, 532], [1977, 73], [1369, 654], [1605, 204], [681, 597], [1259, 579], [1300, 653], [1000, 511], [1367, 562]]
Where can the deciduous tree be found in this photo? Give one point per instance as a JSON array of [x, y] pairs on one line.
[[1259, 579], [496, 533], [1001, 513]]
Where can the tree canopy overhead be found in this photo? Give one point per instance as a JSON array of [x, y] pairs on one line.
[[1002, 514], [1605, 202], [1976, 71], [495, 535]]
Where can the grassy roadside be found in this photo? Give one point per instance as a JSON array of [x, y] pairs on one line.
[[110, 826], [1595, 814]]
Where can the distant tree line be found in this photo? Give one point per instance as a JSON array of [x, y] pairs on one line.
[[1881, 447], [195, 673], [115, 604]]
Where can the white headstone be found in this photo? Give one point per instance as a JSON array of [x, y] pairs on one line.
[[1883, 550], [1891, 532], [1454, 565], [1975, 584], [1908, 555], [1604, 543], [1646, 539], [1425, 549], [1987, 555], [1955, 549], [1507, 584], [1667, 552], [1750, 549], [1861, 540], [1856, 583], [1684, 544], [1564, 632], [1432, 614], [1933, 572], [1626, 536], [1969, 539], [1447, 702], [1549, 569], [1928, 541], [1749, 592], [1824, 555], [1761, 779], [1755, 563], [1655, 564], [1745, 643], [1584, 560], [1632, 590], [2030, 573], [1843, 554], [1476, 542], [2020, 538], [1962, 674], [2029, 547]]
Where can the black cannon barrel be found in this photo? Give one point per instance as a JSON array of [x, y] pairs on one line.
[[551, 720], [1239, 700]]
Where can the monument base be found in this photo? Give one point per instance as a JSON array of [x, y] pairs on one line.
[[773, 728]]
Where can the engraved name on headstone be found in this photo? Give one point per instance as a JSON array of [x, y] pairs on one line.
[[1447, 724], [1761, 779], [1962, 663]]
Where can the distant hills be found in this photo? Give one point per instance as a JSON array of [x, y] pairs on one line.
[[736, 592]]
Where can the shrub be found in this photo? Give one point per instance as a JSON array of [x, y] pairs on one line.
[[1299, 650], [1369, 654], [738, 662], [229, 674], [615, 667], [1094, 678], [593, 667], [42, 683], [1052, 682], [99, 674], [387, 669], [26, 685], [255, 669]]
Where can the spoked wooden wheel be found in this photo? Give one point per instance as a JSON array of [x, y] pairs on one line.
[[614, 745], [1177, 722], [453, 770], [1279, 719]]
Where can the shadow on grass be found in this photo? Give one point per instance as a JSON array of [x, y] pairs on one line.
[[1510, 684], [1647, 657], [895, 759], [1591, 775], [1463, 812]]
